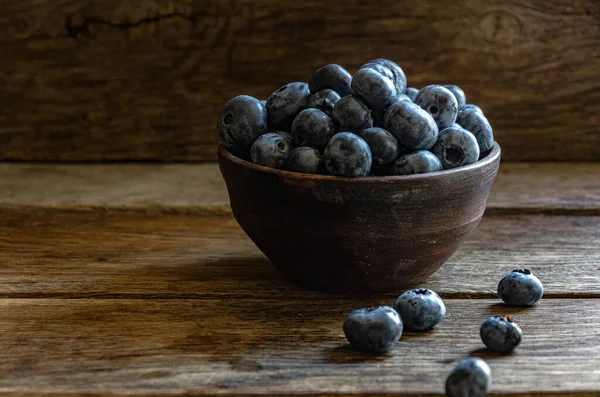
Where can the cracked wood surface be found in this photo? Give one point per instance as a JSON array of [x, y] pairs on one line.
[[112, 80]]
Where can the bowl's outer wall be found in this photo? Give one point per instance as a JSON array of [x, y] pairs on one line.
[[358, 235]]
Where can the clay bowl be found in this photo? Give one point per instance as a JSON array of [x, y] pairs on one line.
[[372, 234]]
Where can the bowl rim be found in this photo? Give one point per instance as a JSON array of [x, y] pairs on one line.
[[492, 156]]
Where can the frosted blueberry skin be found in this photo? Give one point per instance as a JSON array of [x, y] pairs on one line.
[[351, 114], [373, 330], [459, 94], [331, 76], [384, 70], [520, 288], [420, 309], [456, 147], [419, 162], [324, 100], [470, 106], [313, 128], [399, 76], [476, 123], [412, 126], [306, 160], [500, 333], [379, 115], [271, 150], [383, 145], [284, 105], [347, 154], [374, 89], [440, 103], [470, 378], [241, 121]]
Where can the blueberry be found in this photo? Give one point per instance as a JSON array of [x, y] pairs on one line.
[[374, 330], [379, 114], [384, 146], [285, 103], [373, 88], [305, 159], [312, 128], [411, 92], [351, 114], [520, 288], [331, 76], [384, 70], [470, 106], [271, 150], [500, 333], [324, 100], [419, 162], [470, 378], [459, 94], [241, 121], [347, 154], [420, 309], [440, 103], [476, 123], [413, 127], [456, 147], [397, 72]]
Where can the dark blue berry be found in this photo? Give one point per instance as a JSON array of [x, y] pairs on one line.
[[520, 288], [456, 147], [347, 154], [373, 88], [241, 121], [470, 378], [379, 68], [500, 333], [306, 160], [271, 150], [459, 94], [470, 106], [476, 123], [419, 162], [420, 309], [411, 92], [440, 103], [285, 103], [313, 128], [397, 72], [373, 330], [331, 76], [324, 100], [384, 146], [379, 114], [412, 126], [351, 114]]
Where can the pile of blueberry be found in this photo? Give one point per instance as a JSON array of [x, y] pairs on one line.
[[367, 124], [377, 330]]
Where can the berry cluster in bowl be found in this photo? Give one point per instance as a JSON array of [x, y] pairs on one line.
[[362, 125]]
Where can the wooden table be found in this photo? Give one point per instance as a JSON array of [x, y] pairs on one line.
[[135, 279]]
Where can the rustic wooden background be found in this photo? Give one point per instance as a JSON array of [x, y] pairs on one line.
[[88, 80]]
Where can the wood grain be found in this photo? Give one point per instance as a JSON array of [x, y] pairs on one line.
[[112, 80], [255, 346], [519, 188], [147, 255]]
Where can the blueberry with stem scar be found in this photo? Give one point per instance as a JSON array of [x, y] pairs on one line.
[[500, 333], [420, 309], [440, 103], [456, 147], [241, 121], [271, 150], [520, 288], [412, 126]]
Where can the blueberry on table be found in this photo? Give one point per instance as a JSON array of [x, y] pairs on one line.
[[373, 88], [347, 154], [411, 92], [456, 147], [520, 288], [470, 378], [420, 309], [476, 123], [324, 100], [384, 146], [306, 160], [313, 128], [397, 72], [285, 103], [500, 333], [241, 121], [271, 150], [419, 162], [459, 94], [440, 103], [412, 126], [373, 330], [351, 114], [331, 76]]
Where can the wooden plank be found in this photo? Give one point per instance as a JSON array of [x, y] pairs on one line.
[[519, 187], [140, 255], [241, 346], [112, 80]]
